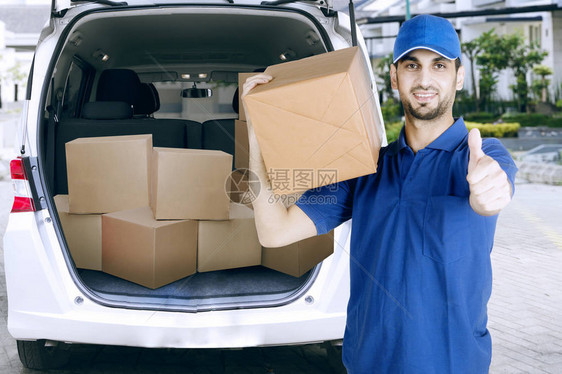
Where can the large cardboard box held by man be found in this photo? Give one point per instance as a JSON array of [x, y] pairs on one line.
[[82, 233], [229, 244], [152, 253], [190, 183], [108, 174], [298, 258], [318, 121]]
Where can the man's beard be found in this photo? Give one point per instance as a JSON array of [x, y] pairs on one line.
[[442, 107], [427, 116]]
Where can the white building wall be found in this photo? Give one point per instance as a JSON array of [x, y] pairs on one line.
[[519, 3], [8, 59], [2, 35], [547, 43], [463, 5]]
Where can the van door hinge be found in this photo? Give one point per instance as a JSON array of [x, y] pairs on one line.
[[32, 171]]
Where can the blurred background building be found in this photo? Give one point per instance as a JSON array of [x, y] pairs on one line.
[[538, 22], [21, 22]]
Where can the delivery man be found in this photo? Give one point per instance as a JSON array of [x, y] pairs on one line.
[[423, 224]]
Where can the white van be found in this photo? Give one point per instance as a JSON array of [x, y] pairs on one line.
[[187, 55]]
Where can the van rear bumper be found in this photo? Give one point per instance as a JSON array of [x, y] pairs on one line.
[[46, 303], [171, 330]]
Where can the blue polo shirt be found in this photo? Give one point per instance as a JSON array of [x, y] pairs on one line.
[[419, 259]]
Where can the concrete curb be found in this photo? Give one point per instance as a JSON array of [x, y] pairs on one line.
[[540, 173]]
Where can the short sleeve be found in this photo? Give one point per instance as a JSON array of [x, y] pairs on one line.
[[495, 149], [328, 206]]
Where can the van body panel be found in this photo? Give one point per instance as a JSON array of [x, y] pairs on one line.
[[61, 5], [55, 309], [48, 299]]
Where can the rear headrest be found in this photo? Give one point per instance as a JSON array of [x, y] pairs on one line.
[[149, 101], [107, 110], [118, 85]]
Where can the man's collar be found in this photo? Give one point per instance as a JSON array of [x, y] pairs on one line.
[[447, 141], [450, 138]]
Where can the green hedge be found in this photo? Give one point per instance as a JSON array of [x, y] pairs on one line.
[[500, 130], [481, 117], [487, 130], [533, 119]]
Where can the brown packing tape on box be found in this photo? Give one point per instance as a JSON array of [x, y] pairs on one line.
[[317, 122], [82, 233], [190, 183], [108, 174], [229, 244], [142, 250], [298, 258], [241, 80]]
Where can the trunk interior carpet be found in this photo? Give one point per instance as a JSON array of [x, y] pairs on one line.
[[249, 281]]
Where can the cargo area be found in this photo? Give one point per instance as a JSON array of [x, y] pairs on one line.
[[164, 82]]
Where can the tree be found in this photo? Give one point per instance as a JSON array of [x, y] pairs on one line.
[[471, 50], [521, 58], [543, 71], [18, 76], [390, 107], [491, 59], [383, 72]]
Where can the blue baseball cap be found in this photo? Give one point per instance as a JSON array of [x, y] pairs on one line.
[[427, 32]]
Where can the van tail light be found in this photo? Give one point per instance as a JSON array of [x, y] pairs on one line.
[[23, 200]]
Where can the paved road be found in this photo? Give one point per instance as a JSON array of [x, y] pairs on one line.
[[524, 311]]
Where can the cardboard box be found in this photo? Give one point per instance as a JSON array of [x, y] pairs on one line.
[[152, 253], [108, 174], [241, 145], [318, 121], [241, 80], [298, 258], [82, 233], [229, 244], [190, 183]]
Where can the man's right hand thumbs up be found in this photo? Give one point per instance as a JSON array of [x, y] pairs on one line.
[[475, 146], [490, 190]]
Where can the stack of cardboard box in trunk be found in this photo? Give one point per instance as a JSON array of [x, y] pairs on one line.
[[156, 215], [161, 210]]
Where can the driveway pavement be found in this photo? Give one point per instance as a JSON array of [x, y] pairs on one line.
[[524, 312], [525, 309]]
